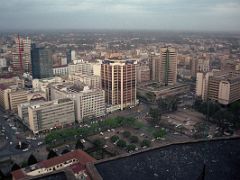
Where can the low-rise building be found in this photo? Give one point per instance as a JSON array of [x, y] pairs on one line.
[[11, 96], [17, 97], [23, 111], [60, 70], [73, 162], [155, 90], [92, 81], [223, 87], [88, 102], [44, 116]]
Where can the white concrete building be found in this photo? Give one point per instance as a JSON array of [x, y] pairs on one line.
[[88, 102], [45, 116], [92, 81], [60, 71]]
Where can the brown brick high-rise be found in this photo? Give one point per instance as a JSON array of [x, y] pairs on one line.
[[119, 82]]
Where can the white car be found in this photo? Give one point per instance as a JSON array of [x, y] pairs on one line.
[[25, 149], [10, 143], [83, 141], [40, 143], [101, 133]]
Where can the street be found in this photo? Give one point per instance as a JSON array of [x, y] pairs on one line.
[[12, 134]]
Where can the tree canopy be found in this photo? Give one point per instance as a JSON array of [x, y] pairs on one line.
[[31, 160]]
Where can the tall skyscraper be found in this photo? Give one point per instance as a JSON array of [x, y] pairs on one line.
[[168, 66], [71, 55], [41, 63], [21, 57], [163, 67], [119, 82]]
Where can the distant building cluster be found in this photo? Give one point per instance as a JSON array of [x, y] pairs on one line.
[[53, 83]]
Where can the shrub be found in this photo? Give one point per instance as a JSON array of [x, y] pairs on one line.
[[145, 143], [121, 143], [126, 134], [134, 139], [99, 142], [131, 147], [114, 138], [159, 133]]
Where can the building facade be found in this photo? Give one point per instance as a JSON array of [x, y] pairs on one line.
[[48, 115], [92, 81], [89, 103], [21, 54], [60, 71], [119, 82], [143, 73], [17, 97], [163, 66], [167, 66], [41, 63], [82, 68], [223, 87]]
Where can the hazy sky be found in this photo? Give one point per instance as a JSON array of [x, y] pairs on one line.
[[214, 15]]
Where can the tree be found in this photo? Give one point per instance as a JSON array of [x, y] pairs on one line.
[[24, 164], [79, 145], [121, 143], [65, 151], [155, 114], [2, 176], [167, 104], [114, 138], [51, 154], [15, 167], [134, 139], [159, 133], [146, 143], [99, 143], [131, 147], [31, 160], [126, 134]]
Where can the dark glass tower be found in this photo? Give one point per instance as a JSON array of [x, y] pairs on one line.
[[69, 56], [41, 63]]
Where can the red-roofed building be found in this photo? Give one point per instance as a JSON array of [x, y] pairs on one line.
[[74, 161]]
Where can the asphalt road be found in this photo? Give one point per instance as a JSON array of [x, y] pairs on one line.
[[13, 135]]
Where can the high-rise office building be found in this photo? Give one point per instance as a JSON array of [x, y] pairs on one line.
[[167, 70], [119, 82], [71, 55], [41, 63], [163, 67], [21, 55]]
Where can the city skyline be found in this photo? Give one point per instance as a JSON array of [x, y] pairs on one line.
[[134, 14]]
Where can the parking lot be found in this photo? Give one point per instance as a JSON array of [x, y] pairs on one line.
[[186, 121]]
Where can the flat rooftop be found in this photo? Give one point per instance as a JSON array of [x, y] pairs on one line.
[[155, 86], [178, 161]]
